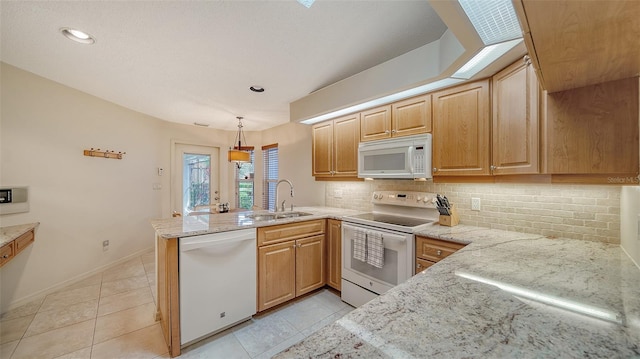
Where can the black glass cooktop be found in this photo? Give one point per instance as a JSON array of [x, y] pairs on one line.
[[391, 219]]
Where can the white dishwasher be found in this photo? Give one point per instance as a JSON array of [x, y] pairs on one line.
[[217, 282]]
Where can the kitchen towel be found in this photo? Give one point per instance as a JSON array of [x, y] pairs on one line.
[[360, 245], [375, 249]]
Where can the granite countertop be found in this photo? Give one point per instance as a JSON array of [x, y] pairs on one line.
[[194, 225], [10, 233], [492, 299]]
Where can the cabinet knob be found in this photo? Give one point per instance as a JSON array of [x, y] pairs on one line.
[[492, 168], [393, 131], [439, 253], [386, 131], [5, 256], [418, 265], [435, 169]]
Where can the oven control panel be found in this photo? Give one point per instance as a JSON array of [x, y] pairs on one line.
[[406, 199]]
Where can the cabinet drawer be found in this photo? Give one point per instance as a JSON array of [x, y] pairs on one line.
[[6, 253], [23, 241], [290, 231], [422, 264], [435, 249]]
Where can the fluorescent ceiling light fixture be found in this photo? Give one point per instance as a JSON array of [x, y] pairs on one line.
[[77, 35], [306, 3], [494, 20], [557, 302], [384, 100], [484, 58]]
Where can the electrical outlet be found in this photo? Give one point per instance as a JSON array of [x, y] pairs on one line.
[[105, 245], [475, 204]]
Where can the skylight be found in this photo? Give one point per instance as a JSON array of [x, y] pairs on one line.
[[494, 20]]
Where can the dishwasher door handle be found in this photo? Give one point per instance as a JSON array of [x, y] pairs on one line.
[[193, 243]]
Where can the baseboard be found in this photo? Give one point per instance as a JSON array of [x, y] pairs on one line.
[[630, 257], [43, 293]]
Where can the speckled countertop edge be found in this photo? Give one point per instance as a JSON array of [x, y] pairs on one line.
[[195, 225], [10, 233]]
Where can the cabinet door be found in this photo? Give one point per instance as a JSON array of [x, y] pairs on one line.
[[411, 117], [334, 253], [309, 264], [322, 146], [515, 120], [375, 124], [461, 130], [594, 129], [346, 136], [276, 274]]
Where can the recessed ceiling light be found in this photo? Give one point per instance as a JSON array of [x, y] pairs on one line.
[[77, 35], [201, 124], [256, 88]]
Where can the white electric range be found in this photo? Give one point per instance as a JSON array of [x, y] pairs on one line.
[[389, 229]]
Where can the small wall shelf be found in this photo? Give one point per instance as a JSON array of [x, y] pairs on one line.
[[104, 154]]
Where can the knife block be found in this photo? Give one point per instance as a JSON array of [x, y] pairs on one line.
[[451, 220]]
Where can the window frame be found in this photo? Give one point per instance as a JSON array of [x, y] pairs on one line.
[[251, 179]]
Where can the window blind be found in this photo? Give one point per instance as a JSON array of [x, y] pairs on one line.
[[270, 175]]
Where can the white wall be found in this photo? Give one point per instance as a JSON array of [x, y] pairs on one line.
[[630, 221], [81, 201], [294, 157]]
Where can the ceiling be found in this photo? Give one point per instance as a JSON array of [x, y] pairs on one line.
[[194, 61]]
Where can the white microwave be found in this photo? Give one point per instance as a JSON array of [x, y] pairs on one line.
[[404, 157]]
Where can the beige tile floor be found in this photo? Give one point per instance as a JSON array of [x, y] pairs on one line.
[[111, 315]]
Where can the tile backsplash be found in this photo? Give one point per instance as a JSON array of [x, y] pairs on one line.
[[587, 212]]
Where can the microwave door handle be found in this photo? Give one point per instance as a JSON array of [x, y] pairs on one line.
[[411, 166]]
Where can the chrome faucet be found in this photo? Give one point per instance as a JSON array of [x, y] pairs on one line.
[[290, 185]]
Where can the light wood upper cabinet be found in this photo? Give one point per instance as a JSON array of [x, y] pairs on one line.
[[594, 129], [375, 124], [402, 118], [580, 43], [334, 253], [322, 149], [461, 130], [335, 147], [515, 122], [411, 117]]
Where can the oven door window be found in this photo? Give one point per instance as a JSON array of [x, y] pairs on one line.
[[387, 274], [395, 268]]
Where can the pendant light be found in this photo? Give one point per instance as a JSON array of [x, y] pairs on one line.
[[236, 154]]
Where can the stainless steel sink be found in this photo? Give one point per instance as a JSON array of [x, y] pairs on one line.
[[292, 214], [262, 216], [273, 216]]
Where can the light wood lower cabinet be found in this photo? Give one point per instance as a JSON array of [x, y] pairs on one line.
[[11, 249], [291, 261], [334, 253], [429, 251], [276, 274], [309, 264], [168, 296]]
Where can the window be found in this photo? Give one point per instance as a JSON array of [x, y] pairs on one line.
[[244, 184], [270, 160]]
